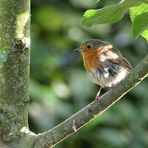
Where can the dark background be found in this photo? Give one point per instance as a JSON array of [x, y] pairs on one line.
[[60, 87]]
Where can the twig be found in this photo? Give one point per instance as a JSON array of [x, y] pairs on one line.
[[93, 109]]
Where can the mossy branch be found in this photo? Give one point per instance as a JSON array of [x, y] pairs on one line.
[[91, 111]]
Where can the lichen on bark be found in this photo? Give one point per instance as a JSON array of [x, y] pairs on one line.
[[14, 70], [14, 17]]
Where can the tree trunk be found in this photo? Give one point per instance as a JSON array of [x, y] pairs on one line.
[[14, 72]]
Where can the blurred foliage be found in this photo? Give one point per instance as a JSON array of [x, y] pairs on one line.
[[59, 86]]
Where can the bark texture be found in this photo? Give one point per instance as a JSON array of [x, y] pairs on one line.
[[14, 72]]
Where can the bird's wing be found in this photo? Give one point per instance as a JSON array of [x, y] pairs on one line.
[[116, 51]]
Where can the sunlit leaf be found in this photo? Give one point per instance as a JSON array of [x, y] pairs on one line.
[[139, 17], [140, 24], [145, 34], [109, 14]]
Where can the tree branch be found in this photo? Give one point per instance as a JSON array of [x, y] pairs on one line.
[[75, 122]]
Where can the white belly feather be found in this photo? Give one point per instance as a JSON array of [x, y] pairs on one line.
[[106, 80]]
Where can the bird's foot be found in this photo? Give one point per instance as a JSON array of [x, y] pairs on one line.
[[98, 94]]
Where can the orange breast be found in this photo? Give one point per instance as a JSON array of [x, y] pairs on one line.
[[90, 60]]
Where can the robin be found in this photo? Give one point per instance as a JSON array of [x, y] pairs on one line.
[[104, 63]]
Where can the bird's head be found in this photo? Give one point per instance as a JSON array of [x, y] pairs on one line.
[[94, 46]]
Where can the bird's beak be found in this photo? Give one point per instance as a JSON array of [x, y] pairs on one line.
[[77, 49]]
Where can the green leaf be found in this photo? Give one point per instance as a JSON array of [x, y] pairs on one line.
[[140, 24], [135, 11], [139, 18], [109, 14], [145, 34], [102, 16]]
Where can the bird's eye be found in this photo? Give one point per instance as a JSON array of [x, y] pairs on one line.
[[88, 46]]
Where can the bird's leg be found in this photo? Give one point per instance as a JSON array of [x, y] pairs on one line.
[[97, 96]]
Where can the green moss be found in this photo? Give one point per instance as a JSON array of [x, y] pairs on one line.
[[14, 69], [13, 20]]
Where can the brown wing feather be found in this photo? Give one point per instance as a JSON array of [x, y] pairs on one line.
[[121, 60]]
